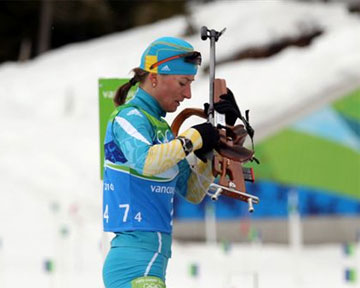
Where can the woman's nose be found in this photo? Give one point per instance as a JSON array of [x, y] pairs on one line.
[[187, 92]]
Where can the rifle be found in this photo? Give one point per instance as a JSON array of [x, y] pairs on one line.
[[231, 155]]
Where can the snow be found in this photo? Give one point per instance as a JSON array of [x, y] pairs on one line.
[[254, 265], [49, 163]]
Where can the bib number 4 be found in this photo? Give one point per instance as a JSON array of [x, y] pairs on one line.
[[138, 217], [106, 213]]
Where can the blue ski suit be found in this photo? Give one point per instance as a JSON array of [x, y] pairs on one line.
[[144, 168]]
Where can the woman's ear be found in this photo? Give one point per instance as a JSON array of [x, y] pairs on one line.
[[153, 77]]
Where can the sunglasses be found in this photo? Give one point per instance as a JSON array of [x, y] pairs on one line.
[[193, 57]]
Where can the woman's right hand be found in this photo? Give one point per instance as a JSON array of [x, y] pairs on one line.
[[210, 139]]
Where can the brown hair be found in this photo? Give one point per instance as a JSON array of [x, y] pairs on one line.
[[122, 91]]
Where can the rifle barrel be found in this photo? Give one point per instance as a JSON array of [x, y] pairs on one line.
[[212, 78]]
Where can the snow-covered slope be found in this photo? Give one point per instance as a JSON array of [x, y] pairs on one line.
[[49, 116]]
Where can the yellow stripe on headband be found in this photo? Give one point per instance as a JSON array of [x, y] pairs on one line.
[[149, 60]]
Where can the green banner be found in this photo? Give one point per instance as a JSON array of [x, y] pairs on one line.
[[107, 89]]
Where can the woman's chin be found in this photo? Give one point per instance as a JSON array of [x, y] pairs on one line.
[[172, 108]]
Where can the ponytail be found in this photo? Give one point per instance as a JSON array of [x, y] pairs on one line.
[[121, 93]]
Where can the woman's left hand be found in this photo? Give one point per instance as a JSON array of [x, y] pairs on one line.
[[227, 105]]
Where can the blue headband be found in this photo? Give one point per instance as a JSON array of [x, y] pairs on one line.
[[164, 48]]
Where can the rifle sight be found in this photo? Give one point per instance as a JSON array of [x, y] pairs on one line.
[[206, 33]]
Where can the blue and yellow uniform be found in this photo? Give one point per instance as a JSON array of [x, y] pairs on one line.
[[144, 168]]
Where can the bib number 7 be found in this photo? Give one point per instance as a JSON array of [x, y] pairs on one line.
[[126, 212]]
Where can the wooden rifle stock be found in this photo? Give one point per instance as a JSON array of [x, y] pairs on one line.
[[227, 163], [229, 169], [183, 115]]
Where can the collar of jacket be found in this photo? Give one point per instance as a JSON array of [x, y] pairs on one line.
[[145, 101]]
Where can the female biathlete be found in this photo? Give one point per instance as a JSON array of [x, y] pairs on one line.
[[145, 165]]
